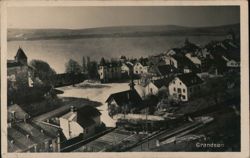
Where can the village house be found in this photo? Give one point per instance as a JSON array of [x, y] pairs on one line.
[[109, 71], [124, 101], [183, 86], [141, 66], [129, 99], [18, 71], [173, 51], [232, 62], [167, 70], [126, 69], [154, 86], [195, 59], [83, 121], [26, 135], [181, 63]]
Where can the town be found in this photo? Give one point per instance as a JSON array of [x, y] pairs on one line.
[[163, 102]]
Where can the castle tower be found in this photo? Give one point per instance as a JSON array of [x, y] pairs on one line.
[[21, 56]]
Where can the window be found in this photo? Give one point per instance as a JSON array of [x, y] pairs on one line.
[[180, 83], [184, 90], [179, 90], [174, 89], [151, 90], [183, 97]]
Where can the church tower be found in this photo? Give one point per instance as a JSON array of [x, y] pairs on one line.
[[21, 56]]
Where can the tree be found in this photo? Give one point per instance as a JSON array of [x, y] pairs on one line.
[[83, 64], [72, 67], [93, 70], [43, 71]]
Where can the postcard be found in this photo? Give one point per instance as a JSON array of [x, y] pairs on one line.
[[124, 78]]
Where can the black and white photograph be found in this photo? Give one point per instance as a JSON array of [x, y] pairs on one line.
[[88, 79]]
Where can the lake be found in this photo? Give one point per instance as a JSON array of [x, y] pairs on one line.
[[58, 52]]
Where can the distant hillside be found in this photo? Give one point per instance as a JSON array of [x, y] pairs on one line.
[[125, 31]]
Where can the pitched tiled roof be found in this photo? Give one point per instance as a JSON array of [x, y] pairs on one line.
[[159, 83], [184, 62], [20, 54], [125, 97], [22, 136], [190, 79], [85, 121], [20, 114], [166, 69], [88, 111]]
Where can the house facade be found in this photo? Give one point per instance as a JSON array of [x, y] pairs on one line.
[[82, 121], [109, 71], [123, 101], [140, 68], [153, 87], [182, 87]]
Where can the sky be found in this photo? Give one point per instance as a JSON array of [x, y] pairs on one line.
[[91, 17]]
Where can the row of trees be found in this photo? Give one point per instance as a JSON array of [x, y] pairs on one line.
[[43, 75], [90, 68]]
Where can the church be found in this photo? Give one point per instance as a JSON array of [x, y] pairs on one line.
[[18, 71]]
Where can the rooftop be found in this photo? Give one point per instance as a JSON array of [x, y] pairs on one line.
[[22, 136], [190, 79], [166, 69], [20, 54], [125, 97], [20, 114]]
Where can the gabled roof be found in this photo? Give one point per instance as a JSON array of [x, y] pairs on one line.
[[85, 121], [20, 114], [83, 115], [70, 116], [160, 83], [88, 111], [166, 69], [38, 132], [183, 62], [20, 54], [190, 79], [125, 97]]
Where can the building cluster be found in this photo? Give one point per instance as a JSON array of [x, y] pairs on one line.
[[177, 73], [51, 131]]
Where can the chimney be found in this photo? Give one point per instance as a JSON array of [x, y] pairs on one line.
[[72, 108], [26, 116], [13, 116], [27, 136]]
